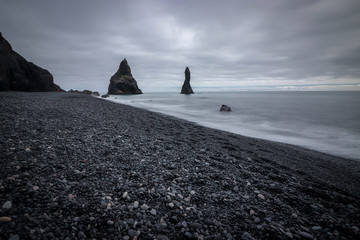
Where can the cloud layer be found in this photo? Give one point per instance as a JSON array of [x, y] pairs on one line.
[[228, 45]]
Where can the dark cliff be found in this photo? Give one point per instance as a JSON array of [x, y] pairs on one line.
[[17, 74]]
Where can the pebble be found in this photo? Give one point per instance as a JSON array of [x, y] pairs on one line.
[[81, 235], [261, 196], [153, 211], [136, 204], [192, 192], [144, 207], [36, 188], [71, 197], [109, 222], [7, 205], [14, 237], [306, 235], [5, 219], [316, 228], [76, 219], [289, 235], [171, 205], [162, 237], [125, 194]]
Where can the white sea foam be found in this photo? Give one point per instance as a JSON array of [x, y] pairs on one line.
[[324, 121]]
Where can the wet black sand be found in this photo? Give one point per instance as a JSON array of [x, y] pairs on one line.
[[76, 166]]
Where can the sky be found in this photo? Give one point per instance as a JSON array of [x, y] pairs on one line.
[[228, 45]]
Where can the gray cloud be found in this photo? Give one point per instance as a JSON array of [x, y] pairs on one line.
[[225, 43]]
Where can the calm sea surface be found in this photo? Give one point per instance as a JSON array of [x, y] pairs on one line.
[[324, 121]]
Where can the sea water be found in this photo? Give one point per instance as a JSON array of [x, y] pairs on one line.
[[324, 121]]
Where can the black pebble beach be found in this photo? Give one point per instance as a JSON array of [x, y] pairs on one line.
[[75, 166]]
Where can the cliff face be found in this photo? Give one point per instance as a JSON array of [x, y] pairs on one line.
[[122, 82], [186, 88], [17, 74]]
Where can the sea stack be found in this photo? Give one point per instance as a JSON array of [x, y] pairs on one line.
[[17, 74], [122, 82], [186, 88]]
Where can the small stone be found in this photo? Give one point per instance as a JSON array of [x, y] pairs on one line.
[[109, 222], [289, 235], [252, 212], [171, 205], [188, 235], [81, 235], [153, 211], [7, 205], [71, 197], [76, 219], [316, 228], [136, 204], [261, 196], [27, 149], [125, 194], [256, 220], [5, 219], [306, 235], [92, 218], [14, 237], [247, 236], [294, 215], [162, 237], [144, 207], [36, 188], [192, 192]]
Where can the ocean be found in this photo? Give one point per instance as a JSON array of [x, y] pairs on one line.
[[328, 122]]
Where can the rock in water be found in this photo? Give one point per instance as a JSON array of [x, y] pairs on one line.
[[17, 74], [186, 88], [122, 82], [225, 108]]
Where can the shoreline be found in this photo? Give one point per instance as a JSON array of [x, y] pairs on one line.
[[84, 161], [300, 131]]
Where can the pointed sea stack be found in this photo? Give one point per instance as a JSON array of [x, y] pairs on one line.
[[186, 88], [122, 82], [17, 74]]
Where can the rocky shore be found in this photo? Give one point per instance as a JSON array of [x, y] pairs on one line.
[[74, 166]]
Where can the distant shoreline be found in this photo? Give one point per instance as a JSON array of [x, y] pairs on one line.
[[109, 165]]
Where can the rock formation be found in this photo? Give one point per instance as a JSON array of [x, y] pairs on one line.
[[122, 82], [186, 88], [225, 108], [17, 74]]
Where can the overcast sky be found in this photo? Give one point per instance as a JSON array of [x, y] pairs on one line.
[[228, 45]]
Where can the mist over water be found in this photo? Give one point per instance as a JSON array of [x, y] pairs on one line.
[[322, 121]]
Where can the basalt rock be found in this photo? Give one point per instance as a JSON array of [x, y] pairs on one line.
[[186, 88], [17, 74], [225, 108], [122, 82]]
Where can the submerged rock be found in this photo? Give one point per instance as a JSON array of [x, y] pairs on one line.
[[97, 94], [186, 88], [225, 108], [122, 82], [105, 96], [17, 74]]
